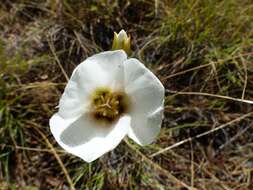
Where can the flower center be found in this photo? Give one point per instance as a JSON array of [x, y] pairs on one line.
[[108, 106]]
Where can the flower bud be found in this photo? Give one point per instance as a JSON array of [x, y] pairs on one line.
[[122, 41]]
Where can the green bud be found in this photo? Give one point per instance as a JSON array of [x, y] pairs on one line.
[[122, 41]]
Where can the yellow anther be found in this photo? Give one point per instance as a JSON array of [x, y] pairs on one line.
[[108, 106]]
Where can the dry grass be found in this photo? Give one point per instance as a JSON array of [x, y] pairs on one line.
[[200, 49]]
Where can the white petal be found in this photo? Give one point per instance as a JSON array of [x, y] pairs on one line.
[[122, 36], [101, 70], [147, 98], [86, 140], [145, 127], [111, 62]]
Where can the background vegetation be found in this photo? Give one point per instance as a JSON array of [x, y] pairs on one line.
[[202, 51]]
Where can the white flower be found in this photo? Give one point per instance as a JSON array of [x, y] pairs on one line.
[[108, 97]]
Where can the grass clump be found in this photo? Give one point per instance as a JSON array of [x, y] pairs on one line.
[[201, 51]]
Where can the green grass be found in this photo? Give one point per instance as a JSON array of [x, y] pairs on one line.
[[193, 46]]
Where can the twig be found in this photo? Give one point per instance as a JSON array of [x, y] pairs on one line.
[[200, 135], [211, 95], [205, 65], [31, 149], [246, 77], [72, 187], [192, 166], [158, 167], [57, 59], [186, 71], [239, 134]]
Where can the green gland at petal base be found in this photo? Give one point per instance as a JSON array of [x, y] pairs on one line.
[[107, 106], [122, 41]]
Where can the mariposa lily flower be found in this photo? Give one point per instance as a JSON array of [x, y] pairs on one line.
[[108, 97]]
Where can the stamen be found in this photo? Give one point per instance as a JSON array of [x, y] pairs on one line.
[[108, 106]]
